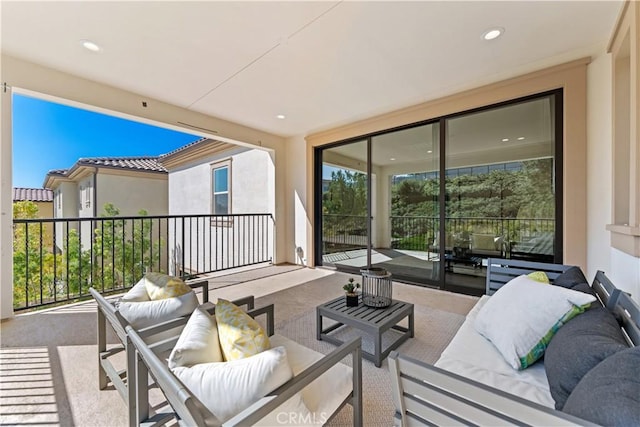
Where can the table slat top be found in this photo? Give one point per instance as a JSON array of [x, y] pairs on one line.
[[372, 316]]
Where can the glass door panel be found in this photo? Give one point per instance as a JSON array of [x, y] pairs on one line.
[[344, 206], [405, 203], [499, 189]]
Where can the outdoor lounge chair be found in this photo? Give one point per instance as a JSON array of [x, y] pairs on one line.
[[107, 311]]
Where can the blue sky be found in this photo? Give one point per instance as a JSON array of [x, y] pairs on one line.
[[50, 136]]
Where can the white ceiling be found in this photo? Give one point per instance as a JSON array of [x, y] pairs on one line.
[[322, 64]]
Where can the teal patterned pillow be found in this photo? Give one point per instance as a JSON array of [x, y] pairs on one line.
[[522, 316]]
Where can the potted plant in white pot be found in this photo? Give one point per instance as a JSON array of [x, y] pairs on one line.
[[351, 289]]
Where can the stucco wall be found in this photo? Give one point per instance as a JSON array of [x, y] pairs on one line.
[[623, 269], [598, 159], [298, 228], [130, 194], [252, 183], [6, 206], [45, 209], [223, 243], [68, 208]]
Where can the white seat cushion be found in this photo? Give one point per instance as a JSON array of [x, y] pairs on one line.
[[146, 313], [323, 396], [471, 355], [227, 388]]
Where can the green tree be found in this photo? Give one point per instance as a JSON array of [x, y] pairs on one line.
[[123, 249], [33, 258]]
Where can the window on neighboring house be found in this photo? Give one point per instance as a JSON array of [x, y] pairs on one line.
[[58, 197], [221, 203], [87, 197], [80, 195]]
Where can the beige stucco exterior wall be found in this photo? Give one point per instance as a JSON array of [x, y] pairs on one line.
[[598, 159], [252, 192], [68, 208], [6, 207], [132, 193], [45, 209], [622, 268], [299, 234], [571, 77], [252, 182]]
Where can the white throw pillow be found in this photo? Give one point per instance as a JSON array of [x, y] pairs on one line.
[[147, 313], [198, 342], [137, 294], [227, 388], [522, 316]]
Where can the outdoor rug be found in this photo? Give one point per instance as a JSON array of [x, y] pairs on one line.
[[434, 329]]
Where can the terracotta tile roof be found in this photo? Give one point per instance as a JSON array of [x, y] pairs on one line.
[[150, 164], [184, 147], [32, 194], [60, 172]]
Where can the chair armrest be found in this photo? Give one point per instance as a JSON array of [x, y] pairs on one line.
[[277, 397], [108, 310], [248, 301], [204, 284], [267, 310], [434, 395]]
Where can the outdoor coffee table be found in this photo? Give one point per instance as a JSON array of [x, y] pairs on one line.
[[372, 321]]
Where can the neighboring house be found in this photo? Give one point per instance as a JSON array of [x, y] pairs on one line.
[[217, 178], [42, 197], [129, 183]]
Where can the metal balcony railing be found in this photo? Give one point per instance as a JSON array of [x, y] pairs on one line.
[[57, 260], [349, 232]]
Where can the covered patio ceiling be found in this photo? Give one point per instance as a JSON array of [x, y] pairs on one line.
[[320, 64]]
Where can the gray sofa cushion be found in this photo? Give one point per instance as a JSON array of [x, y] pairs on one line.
[[574, 279], [581, 344], [609, 394]]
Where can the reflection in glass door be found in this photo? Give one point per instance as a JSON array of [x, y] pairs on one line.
[[499, 189], [406, 211], [344, 206]]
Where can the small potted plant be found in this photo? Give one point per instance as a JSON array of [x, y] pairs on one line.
[[352, 295]]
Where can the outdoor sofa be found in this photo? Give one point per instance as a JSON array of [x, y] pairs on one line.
[[588, 374]]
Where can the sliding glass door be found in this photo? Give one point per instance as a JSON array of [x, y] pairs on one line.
[[432, 202], [499, 189], [406, 215], [344, 206]]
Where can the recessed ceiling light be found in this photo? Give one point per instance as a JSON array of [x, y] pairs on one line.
[[89, 45], [430, 151], [280, 116], [393, 158], [520, 138], [505, 139], [493, 33]]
